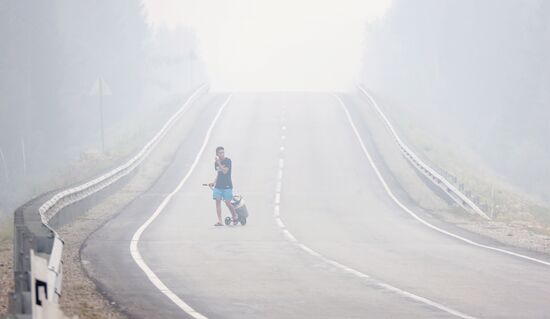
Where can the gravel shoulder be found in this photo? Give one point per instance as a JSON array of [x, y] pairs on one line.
[[6, 263], [80, 295]]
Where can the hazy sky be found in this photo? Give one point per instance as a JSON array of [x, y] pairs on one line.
[[259, 45]]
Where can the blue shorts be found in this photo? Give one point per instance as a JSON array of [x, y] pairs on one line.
[[226, 193]]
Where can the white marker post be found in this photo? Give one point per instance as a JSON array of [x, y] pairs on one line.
[[24, 155], [188, 71], [492, 200], [101, 115], [191, 58], [4, 165], [101, 88]]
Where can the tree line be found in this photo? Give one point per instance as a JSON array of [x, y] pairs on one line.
[[473, 72], [52, 54]]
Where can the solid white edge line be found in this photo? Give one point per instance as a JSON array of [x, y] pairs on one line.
[[472, 205], [279, 222], [276, 211], [50, 203], [277, 198], [290, 237], [137, 235], [390, 193]]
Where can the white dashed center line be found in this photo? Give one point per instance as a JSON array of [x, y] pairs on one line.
[[288, 235]]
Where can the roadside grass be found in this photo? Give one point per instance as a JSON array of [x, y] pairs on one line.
[[90, 163], [499, 198], [6, 231], [93, 162]]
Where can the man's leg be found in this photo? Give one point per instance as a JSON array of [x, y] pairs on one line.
[[219, 210], [231, 208], [227, 197]]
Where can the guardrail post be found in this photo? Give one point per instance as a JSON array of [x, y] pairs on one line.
[[457, 195]]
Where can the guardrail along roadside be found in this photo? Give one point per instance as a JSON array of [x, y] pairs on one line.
[[38, 249], [430, 173]]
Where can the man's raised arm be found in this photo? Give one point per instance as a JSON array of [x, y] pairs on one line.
[[224, 169]]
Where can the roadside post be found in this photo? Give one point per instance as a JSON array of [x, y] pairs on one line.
[[100, 88]]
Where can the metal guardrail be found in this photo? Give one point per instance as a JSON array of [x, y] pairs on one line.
[[426, 170], [38, 249]]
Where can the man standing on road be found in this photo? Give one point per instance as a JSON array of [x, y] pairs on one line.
[[222, 185]]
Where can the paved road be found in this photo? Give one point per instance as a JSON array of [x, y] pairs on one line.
[[341, 247]]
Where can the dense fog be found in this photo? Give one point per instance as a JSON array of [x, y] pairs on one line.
[[275, 46], [472, 73], [52, 54]]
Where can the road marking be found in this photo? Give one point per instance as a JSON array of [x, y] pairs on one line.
[[135, 239], [292, 239], [277, 198], [289, 236], [449, 188], [280, 222], [278, 188], [390, 193]]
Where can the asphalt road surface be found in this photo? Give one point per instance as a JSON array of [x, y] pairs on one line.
[[323, 240]]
